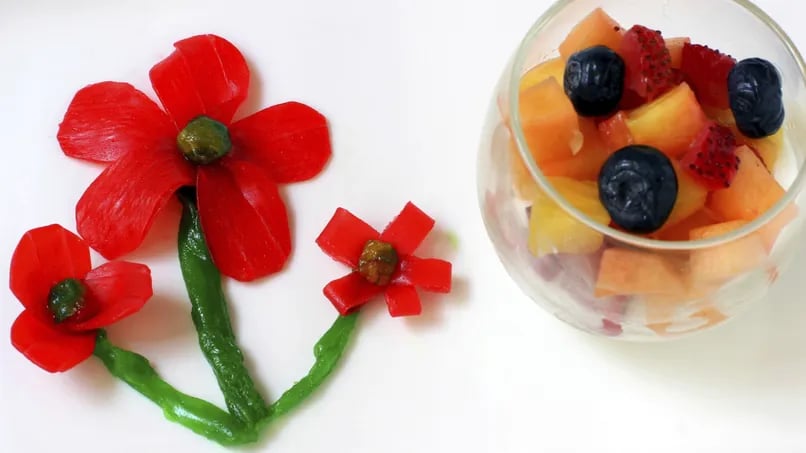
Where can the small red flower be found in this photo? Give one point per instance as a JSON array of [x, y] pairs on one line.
[[65, 300], [235, 166], [382, 262]]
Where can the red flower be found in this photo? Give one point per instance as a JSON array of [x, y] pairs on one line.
[[66, 302], [382, 262], [234, 165]]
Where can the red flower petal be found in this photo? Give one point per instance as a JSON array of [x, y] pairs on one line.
[[45, 256], [205, 75], [116, 289], [429, 274], [108, 119], [244, 219], [408, 229], [402, 300], [344, 237], [118, 208], [290, 141], [49, 348], [350, 292]]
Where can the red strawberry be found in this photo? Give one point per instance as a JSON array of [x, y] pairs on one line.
[[648, 64], [711, 157], [706, 71]]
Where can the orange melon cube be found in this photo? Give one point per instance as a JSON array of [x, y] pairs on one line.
[[614, 132], [717, 264], [675, 46], [554, 68], [691, 197], [669, 123], [553, 230], [752, 192], [680, 231], [587, 163], [596, 29], [632, 272], [549, 122]]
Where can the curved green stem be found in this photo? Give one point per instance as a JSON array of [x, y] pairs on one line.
[[195, 414], [212, 320]]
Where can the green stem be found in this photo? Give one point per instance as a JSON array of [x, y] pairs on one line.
[[327, 351], [197, 415], [212, 320]]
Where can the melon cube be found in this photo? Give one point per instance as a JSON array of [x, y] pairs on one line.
[[691, 197], [614, 132], [587, 163], [717, 264], [752, 192], [668, 123], [553, 230], [680, 231], [554, 68], [596, 29], [675, 46], [633, 272], [770, 231], [549, 122]]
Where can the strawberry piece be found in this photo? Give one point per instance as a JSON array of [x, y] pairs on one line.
[[706, 71], [648, 64], [711, 157]]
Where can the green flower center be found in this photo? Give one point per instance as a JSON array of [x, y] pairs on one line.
[[204, 140], [378, 262], [66, 299]]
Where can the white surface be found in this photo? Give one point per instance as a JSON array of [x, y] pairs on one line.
[[405, 84]]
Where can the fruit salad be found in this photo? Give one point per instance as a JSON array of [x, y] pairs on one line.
[[661, 138]]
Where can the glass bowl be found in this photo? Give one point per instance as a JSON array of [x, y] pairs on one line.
[[608, 282]]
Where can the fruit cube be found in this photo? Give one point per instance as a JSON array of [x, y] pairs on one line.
[[770, 231], [552, 68], [549, 122], [585, 165], [614, 132], [680, 231], [553, 230], [632, 272], [675, 46], [717, 264], [597, 28], [669, 123], [753, 191], [691, 197]]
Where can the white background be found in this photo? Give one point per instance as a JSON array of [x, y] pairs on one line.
[[405, 85]]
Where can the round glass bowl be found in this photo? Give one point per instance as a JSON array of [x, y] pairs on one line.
[[608, 282]]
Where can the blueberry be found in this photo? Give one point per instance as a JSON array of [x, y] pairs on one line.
[[754, 88], [638, 188], [594, 81]]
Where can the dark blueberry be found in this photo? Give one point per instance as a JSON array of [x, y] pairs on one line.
[[638, 187], [594, 81], [754, 88]]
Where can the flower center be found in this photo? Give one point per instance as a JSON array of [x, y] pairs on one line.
[[66, 299], [378, 262], [204, 140]]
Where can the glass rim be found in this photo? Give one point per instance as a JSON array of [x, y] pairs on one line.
[[627, 238]]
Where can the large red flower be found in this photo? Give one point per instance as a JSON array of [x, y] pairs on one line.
[[349, 240], [154, 152], [65, 300]]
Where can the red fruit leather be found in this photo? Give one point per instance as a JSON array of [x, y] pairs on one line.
[[429, 274], [290, 141], [244, 219], [408, 229], [206, 75], [350, 292], [115, 290], [402, 300], [109, 119], [51, 349], [45, 256], [345, 236]]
